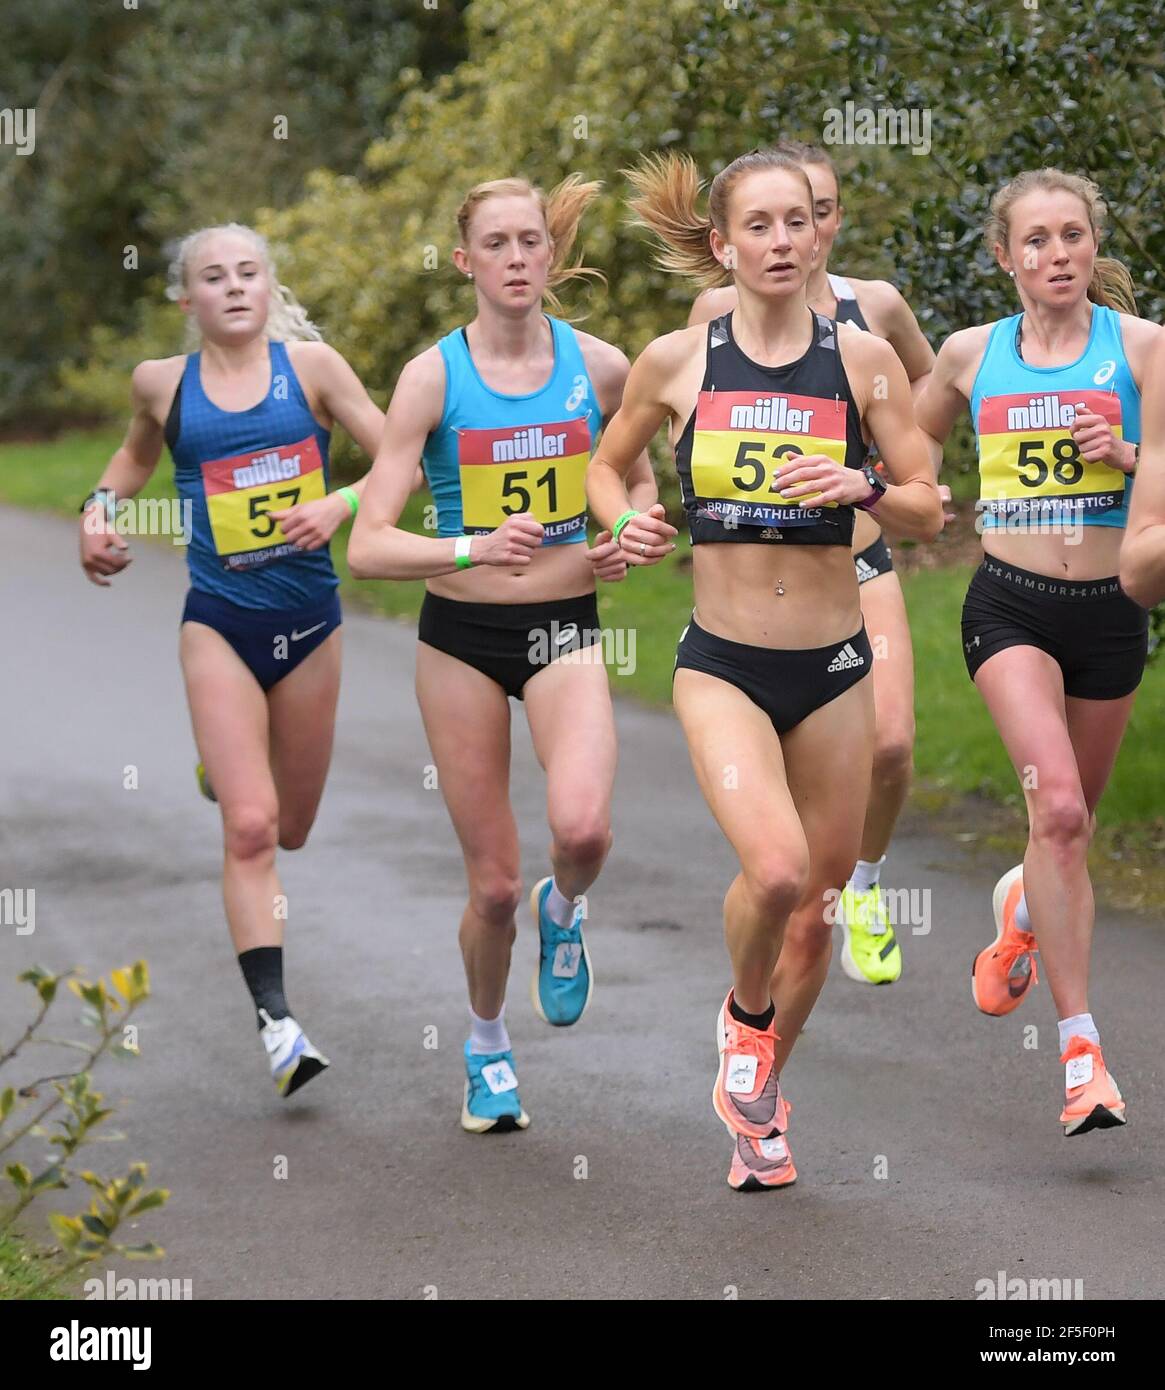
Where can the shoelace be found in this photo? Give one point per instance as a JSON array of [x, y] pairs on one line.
[[751, 1042], [1016, 944], [1081, 1047]]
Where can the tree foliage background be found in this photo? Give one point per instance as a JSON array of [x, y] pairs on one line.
[[163, 122]]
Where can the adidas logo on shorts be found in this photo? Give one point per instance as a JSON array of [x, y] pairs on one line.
[[845, 660], [865, 570]]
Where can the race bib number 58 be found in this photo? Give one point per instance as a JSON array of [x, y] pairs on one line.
[[241, 492], [1029, 462]]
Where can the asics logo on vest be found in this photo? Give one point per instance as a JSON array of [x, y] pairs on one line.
[[267, 468], [846, 660], [529, 443], [771, 413], [1041, 413], [578, 393], [1105, 372]]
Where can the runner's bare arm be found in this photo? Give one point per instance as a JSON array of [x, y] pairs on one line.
[[945, 397], [377, 547], [609, 369], [103, 551], [645, 407], [1142, 569], [902, 332]]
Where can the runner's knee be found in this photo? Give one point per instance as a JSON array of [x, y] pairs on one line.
[[776, 884], [582, 839], [249, 831], [1060, 818], [494, 895], [894, 751]]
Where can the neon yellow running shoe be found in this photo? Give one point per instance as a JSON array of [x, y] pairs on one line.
[[204, 783], [870, 953]]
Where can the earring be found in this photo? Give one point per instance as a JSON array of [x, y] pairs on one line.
[[1010, 272], [470, 274]]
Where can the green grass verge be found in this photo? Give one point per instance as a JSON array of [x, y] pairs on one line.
[[23, 1273], [957, 747]]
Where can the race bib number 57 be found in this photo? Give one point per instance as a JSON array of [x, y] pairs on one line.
[[241, 492]]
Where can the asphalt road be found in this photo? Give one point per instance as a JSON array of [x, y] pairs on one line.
[[385, 1196]]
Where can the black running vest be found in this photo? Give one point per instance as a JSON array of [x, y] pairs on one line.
[[748, 421]]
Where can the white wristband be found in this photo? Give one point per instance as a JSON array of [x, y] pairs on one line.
[[461, 552]]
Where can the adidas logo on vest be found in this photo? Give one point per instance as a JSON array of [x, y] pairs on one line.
[[846, 660]]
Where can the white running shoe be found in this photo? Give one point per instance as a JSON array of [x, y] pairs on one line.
[[293, 1059]]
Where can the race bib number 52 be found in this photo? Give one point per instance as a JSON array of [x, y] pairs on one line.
[[740, 439], [241, 492]]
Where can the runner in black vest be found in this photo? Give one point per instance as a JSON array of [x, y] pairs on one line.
[[768, 409], [870, 952]]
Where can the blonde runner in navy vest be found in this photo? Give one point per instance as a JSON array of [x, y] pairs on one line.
[[247, 416]]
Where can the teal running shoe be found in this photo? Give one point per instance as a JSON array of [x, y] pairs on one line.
[[491, 1093], [563, 982]]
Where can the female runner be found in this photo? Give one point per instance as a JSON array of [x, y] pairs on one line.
[[505, 412], [247, 416], [1054, 646], [768, 409]]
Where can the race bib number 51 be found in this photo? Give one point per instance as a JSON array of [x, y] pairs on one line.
[[741, 439], [241, 492], [535, 468]]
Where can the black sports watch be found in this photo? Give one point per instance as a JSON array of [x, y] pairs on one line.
[[877, 488], [106, 496]]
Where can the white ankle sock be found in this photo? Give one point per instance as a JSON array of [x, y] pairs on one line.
[[560, 910], [865, 874], [488, 1034], [1022, 920], [1079, 1025]]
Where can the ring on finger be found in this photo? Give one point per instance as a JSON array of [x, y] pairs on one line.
[[643, 547]]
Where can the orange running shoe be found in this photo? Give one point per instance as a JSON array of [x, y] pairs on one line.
[[1091, 1099], [1004, 971], [759, 1164], [747, 1093]]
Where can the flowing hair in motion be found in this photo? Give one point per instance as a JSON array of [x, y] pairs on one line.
[[667, 190], [287, 320], [562, 209], [1111, 283]]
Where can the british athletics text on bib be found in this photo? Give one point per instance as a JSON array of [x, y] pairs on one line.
[[1029, 462], [241, 491], [740, 438], [530, 468]]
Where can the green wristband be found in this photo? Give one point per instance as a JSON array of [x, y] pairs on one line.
[[350, 496], [623, 520]]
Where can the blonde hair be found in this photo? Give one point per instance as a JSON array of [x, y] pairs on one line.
[[287, 320], [562, 209], [1111, 283], [667, 187]]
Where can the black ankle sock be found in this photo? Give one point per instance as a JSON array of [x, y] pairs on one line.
[[262, 968], [758, 1021]]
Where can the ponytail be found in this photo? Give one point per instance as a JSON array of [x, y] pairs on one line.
[[667, 188], [1112, 285]]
